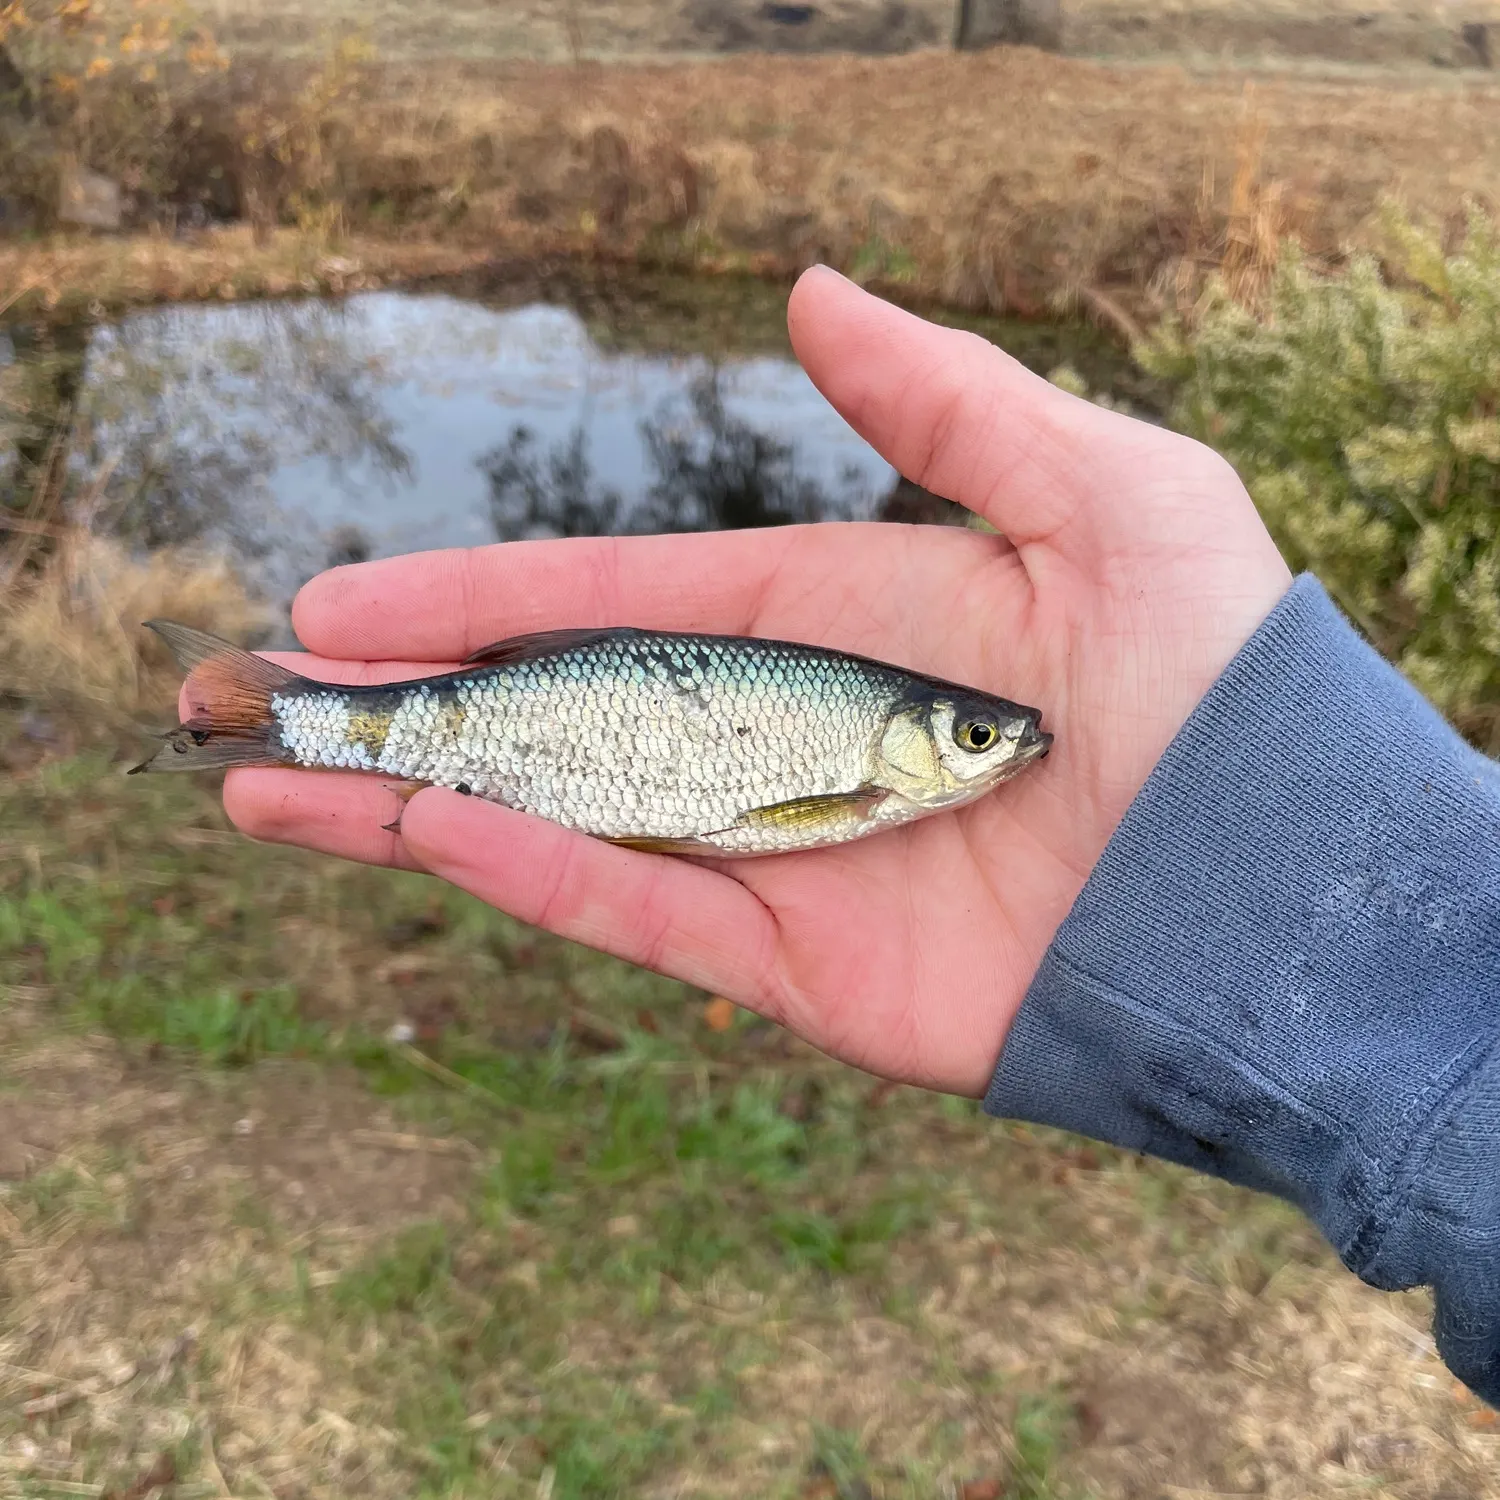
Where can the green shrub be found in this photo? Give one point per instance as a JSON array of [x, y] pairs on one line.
[[1362, 410]]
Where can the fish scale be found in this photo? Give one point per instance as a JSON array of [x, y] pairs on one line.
[[636, 741], [681, 742]]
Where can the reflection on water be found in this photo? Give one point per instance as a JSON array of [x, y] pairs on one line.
[[707, 470], [190, 418], [302, 433]]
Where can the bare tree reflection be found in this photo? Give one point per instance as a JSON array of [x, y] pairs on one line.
[[41, 371], [555, 495], [909, 504], [718, 473], [709, 471], [193, 428]]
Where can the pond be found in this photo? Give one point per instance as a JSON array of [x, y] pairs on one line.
[[296, 434]]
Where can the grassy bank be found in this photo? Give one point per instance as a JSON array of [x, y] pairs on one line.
[[1011, 182], [582, 1234], [71, 276], [319, 1180]]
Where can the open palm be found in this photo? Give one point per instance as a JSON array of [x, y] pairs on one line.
[[1131, 568]]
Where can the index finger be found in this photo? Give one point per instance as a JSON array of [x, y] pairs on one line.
[[439, 606]]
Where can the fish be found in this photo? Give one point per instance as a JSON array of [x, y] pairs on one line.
[[673, 743]]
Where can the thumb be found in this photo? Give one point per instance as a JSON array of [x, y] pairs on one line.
[[962, 418]]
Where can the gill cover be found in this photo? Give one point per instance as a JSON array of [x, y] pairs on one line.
[[928, 753]]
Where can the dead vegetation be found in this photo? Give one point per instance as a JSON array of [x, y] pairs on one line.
[[905, 172], [70, 626], [1097, 187], [76, 276], [1412, 35], [72, 596]]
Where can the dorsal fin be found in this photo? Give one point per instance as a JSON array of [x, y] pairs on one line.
[[523, 648]]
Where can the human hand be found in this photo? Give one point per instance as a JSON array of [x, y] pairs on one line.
[[1131, 567]]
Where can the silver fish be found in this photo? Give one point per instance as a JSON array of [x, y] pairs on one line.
[[681, 744]]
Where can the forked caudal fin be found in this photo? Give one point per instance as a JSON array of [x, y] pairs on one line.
[[229, 693]]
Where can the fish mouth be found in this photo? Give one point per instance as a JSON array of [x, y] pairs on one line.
[[1034, 744]]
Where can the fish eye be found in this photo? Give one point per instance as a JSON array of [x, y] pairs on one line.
[[977, 734]]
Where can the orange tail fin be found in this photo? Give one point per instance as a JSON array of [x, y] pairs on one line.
[[229, 692]]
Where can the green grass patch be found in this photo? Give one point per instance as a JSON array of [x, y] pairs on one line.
[[65, 1190], [840, 1456], [134, 974], [659, 1220], [1042, 1432]]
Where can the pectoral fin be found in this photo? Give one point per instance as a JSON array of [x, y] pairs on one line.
[[806, 814], [810, 813]]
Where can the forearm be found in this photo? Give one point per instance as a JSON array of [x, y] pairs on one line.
[[1285, 970]]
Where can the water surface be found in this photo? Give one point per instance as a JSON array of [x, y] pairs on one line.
[[299, 433]]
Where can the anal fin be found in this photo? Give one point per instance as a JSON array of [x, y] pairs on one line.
[[663, 846]]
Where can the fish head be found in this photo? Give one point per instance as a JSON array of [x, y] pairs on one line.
[[946, 747]]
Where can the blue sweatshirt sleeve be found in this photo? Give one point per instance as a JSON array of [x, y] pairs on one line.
[[1285, 970]]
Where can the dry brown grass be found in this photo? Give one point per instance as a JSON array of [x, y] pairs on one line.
[[65, 275], [70, 627], [1009, 181], [132, 1332], [1408, 34]]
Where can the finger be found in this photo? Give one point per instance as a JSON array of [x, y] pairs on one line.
[[682, 920], [835, 585], [444, 604], [332, 812], [958, 415]]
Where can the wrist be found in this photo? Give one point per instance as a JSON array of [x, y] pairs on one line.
[[1260, 978]]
